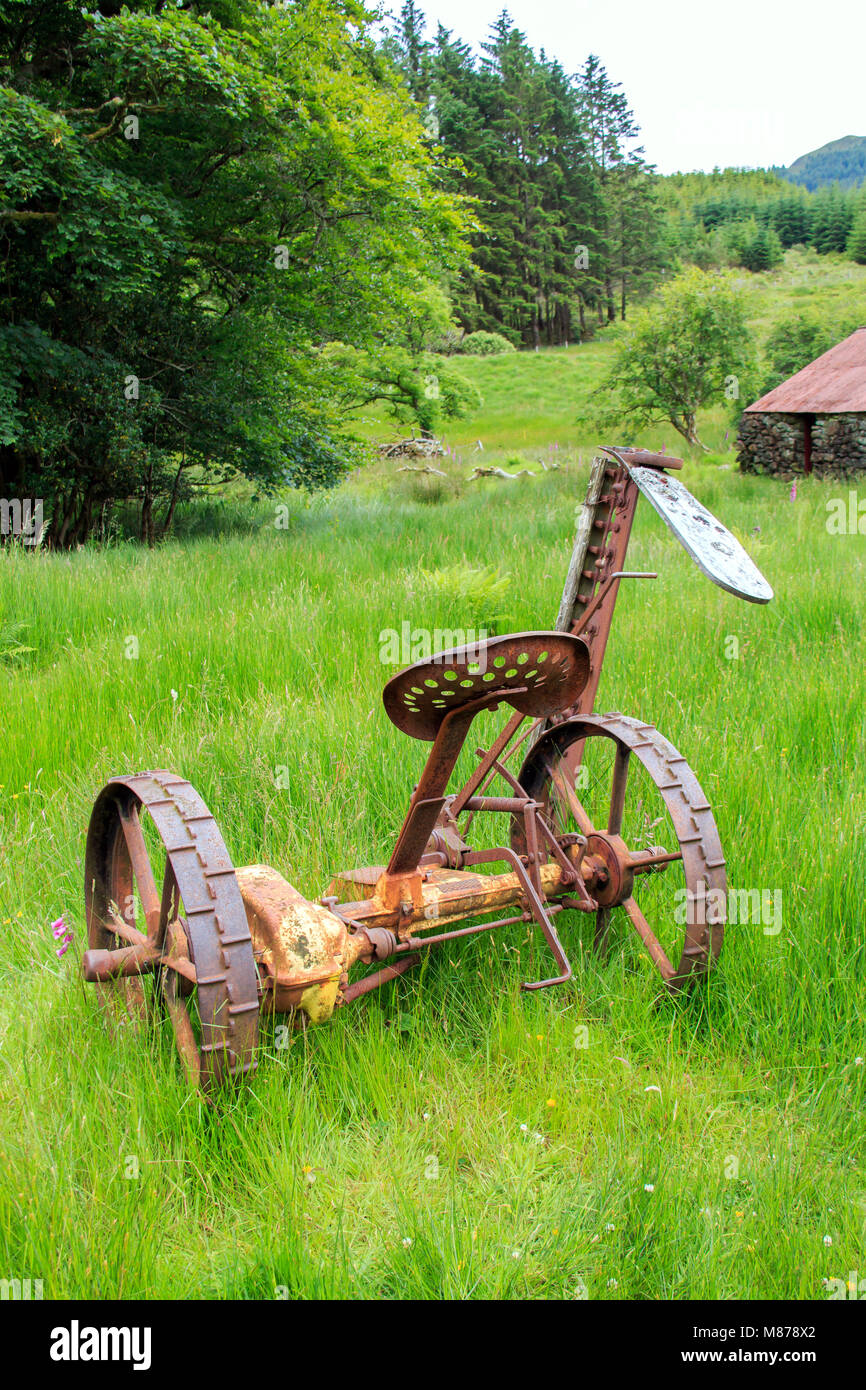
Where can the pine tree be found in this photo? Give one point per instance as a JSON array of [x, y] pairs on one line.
[[857, 238], [610, 131], [512, 120], [638, 244], [412, 51], [568, 214]]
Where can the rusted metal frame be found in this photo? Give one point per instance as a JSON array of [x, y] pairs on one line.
[[133, 834], [497, 803], [643, 458], [599, 588], [613, 523], [494, 767], [100, 967], [579, 904], [469, 898], [537, 907], [378, 978], [488, 760], [215, 929], [650, 940], [648, 862], [603, 591], [489, 765], [533, 858], [571, 875], [601, 938], [132, 935], [619, 783], [413, 943], [428, 797], [699, 846], [564, 787], [509, 778]]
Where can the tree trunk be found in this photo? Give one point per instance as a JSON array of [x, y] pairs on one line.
[[687, 427], [169, 515], [147, 508], [64, 514]]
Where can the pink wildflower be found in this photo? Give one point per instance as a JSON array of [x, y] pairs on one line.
[[63, 934]]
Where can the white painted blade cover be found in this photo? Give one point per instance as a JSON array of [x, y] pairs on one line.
[[710, 544]]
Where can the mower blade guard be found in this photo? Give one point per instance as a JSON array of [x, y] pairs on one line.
[[710, 544]]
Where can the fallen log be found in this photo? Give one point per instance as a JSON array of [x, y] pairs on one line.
[[500, 473], [422, 468], [411, 448]]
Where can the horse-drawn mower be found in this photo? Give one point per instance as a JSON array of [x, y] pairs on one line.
[[225, 944]]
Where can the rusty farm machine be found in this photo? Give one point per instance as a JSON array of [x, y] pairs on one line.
[[174, 926]]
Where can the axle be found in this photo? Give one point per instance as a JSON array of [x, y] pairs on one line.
[[304, 950]]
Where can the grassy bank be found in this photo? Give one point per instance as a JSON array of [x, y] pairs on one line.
[[446, 1138]]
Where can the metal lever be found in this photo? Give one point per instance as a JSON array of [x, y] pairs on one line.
[[619, 574]]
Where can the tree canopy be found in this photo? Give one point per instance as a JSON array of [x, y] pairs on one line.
[[570, 220], [193, 205], [690, 347]]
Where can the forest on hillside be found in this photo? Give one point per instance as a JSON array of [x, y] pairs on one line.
[[227, 231], [842, 162]]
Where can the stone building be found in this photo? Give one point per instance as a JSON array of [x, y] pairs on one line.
[[815, 422]]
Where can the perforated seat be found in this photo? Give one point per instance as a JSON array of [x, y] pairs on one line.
[[538, 673]]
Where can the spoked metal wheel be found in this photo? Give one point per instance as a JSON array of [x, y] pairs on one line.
[[166, 923], [652, 846]]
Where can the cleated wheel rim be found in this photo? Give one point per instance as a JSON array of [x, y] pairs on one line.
[[582, 771], [158, 876]]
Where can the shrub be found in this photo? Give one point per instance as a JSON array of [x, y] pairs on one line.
[[485, 344], [464, 595]]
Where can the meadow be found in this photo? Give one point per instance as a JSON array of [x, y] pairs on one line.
[[446, 1138]]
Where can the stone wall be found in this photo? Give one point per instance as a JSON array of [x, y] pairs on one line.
[[773, 443], [839, 445]]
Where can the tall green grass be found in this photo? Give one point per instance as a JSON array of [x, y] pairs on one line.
[[446, 1138]]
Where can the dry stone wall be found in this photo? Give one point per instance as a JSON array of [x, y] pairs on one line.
[[773, 443]]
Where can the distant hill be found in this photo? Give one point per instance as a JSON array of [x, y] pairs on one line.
[[842, 161]]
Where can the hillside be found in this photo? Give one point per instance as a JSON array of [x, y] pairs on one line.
[[841, 161], [531, 401]]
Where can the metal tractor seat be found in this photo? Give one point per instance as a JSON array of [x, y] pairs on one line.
[[537, 673]]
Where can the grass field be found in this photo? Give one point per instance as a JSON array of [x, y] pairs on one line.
[[445, 1138], [531, 400]]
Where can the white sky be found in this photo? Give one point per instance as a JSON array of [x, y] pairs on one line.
[[727, 82]]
